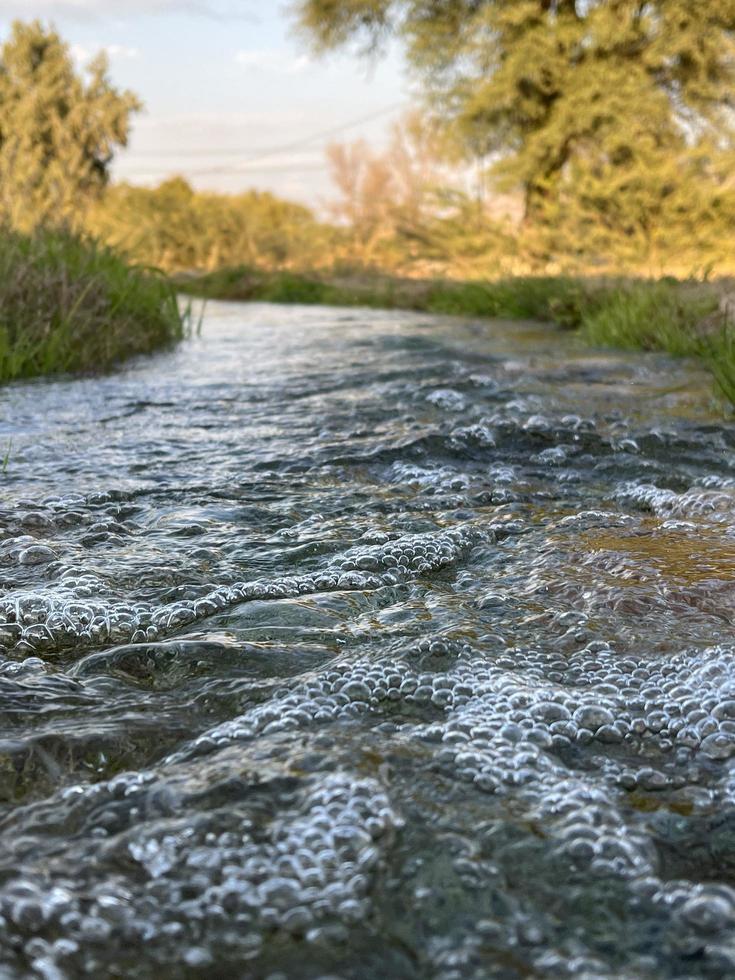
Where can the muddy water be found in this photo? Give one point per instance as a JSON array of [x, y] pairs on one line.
[[361, 645]]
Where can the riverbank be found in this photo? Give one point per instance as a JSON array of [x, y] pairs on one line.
[[68, 305], [682, 318]]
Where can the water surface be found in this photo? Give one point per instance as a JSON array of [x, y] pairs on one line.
[[368, 645]]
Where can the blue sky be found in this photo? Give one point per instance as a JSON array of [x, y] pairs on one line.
[[224, 82]]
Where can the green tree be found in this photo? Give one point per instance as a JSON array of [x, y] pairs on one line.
[[59, 128], [610, 110], [176, 228]]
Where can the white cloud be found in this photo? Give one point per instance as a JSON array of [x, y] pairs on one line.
[[280, 62], [104, 9], [83, 55], [122, 51]]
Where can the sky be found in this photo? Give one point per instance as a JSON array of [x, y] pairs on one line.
[[233, 99]]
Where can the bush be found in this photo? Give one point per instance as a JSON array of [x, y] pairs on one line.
[[71, 305]]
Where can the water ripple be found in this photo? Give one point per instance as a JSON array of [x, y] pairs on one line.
[[368, 645]]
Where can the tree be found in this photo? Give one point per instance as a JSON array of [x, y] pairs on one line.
[[176, 228], [602, 104], [59, 128], [387, 198]]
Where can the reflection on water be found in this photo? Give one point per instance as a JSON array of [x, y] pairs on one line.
[[368, 645], [674, 551]]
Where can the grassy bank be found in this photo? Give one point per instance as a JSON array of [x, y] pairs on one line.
[[682, 318], [69, 305]]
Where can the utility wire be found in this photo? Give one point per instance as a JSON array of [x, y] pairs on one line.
[[272, 169], [295, 145]]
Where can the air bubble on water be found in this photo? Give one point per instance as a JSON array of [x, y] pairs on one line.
[[447, 399]]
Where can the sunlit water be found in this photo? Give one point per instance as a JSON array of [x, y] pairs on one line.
[[362, 645]]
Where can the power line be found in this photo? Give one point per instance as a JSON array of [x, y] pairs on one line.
[[276, 169], [295, 145]]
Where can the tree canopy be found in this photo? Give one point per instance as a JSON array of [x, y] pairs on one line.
[[599, 108], [59, 127], [174, 227]]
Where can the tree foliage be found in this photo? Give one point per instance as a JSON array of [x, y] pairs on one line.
[[174, 227], [385, 199], [59, 128], [613, 116]]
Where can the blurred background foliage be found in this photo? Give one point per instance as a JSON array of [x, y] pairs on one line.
[[590, 137]]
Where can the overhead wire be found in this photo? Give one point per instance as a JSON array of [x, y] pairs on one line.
[[263, 154]]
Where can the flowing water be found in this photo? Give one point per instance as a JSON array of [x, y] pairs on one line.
[[368, 645]]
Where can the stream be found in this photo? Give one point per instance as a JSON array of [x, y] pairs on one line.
[[368, 645]]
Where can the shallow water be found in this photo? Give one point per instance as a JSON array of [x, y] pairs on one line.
[[368, 645]]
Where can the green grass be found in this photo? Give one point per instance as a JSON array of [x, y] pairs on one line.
[[253, 285], [680, 318], [68, 305], [720, 358], [667, 315], [558, 299], [562, 300], [650, 316]]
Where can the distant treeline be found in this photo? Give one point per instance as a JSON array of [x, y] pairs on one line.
[[174, 228], [401, 213]]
